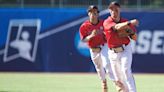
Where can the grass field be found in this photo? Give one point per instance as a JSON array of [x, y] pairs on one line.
[[71, 82]]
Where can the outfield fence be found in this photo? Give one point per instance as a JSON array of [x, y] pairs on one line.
[[139, 4]]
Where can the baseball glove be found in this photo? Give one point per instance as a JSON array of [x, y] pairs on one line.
[[133, 37], [125, 33]]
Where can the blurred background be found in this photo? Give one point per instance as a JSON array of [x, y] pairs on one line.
[[41, 51], [42, 35], [140, 4]]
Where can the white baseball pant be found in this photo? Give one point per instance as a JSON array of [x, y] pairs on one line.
[[102, 63], [121, 66]]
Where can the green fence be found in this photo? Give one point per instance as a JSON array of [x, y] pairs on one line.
[[140, 4]]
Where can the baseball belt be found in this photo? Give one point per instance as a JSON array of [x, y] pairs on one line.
[[96, 49], [118, 49]]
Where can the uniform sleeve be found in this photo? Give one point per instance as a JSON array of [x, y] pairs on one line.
[[108, 25], [133, 28], [83, 32]]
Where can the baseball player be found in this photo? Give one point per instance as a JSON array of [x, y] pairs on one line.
[[92, 32], [118, 33]]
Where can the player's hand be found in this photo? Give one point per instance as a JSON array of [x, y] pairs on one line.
[[134, 22], [89, 37], [94, 32]]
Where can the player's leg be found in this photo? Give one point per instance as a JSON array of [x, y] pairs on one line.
[[97, 61], [126, 60], [106, 61], [106, 64], [115, 65], [104, 86], [119, 83]]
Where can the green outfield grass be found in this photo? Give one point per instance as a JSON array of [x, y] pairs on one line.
[[68, 82]]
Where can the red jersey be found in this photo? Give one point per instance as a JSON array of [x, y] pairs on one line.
[[112, 37], [87, 27]]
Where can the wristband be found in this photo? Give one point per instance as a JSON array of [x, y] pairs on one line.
[[128, 23]]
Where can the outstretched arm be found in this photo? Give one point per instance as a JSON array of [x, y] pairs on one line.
[[125, 25]]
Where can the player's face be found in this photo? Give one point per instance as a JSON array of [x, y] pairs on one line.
[[115, 12], [93, 14]]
